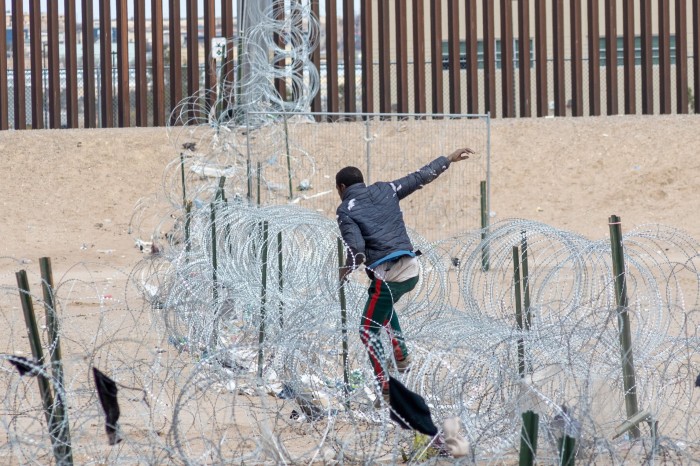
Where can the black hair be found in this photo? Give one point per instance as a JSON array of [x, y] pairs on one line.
[[349, 176]]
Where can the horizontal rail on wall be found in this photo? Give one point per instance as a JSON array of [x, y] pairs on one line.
[[378, 114]]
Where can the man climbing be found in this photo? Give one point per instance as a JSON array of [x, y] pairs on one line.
[[372, 226]]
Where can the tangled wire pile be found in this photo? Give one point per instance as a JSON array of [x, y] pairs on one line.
[[243, 359], [270, 73], [234, 342], [272, 309]]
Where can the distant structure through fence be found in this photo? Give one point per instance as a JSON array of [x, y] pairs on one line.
[[299, 159], [80, 64]]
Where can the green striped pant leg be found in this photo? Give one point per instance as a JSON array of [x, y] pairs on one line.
[[398, 289], [377, 311]]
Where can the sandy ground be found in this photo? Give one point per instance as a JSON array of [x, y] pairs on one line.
[[70, 194]]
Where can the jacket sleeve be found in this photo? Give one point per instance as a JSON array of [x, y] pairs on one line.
[[352, 236], [416, 180]]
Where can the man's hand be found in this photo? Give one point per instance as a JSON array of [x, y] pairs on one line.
[[460, 154]]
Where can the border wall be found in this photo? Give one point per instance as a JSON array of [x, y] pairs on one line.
[[82, 63]]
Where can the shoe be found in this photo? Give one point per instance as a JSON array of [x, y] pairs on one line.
[[442, 447], [404, 365]]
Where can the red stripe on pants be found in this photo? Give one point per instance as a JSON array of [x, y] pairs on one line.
[[366, 335], [398, 354]]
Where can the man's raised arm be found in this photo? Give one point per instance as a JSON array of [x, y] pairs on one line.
[[416, 180]]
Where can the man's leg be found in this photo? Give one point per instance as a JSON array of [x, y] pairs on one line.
[[398, 342], [377, 310]]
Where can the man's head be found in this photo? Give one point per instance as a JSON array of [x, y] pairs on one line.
[[347, 177]]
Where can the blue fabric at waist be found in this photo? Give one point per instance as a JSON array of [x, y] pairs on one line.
[[393, 255]]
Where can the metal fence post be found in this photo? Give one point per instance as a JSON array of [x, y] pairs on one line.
[[38, 353], [623, 320], [263, 299], [484, 228], [518, 310], [343, 320], [528, 438], [59, 414]]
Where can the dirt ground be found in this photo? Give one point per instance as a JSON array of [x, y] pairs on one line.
[[70, 194]]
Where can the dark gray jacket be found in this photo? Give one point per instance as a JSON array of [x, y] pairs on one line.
[[370, 219]]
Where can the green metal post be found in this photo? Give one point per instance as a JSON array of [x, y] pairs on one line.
[[186, 204], [218, 197], [38, 353], [518, 310], [220, 191], [60, 416], [249, 166], [343, 319], [289, 157], [239, 72], [259, 172], [227, 222], [249, 175], [214, 285], [188, 214], [567, 450], [526, 282], [528, 438], [182, 174], [280, 276], [214, 262], [263, 299], [623, 319], [485, 261]]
